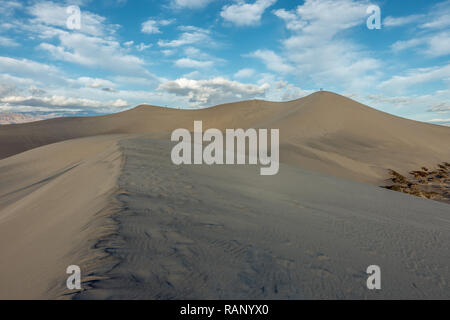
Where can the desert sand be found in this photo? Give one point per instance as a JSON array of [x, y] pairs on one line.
[[199, 232], [102, 193], [324, 132], [51, 203]]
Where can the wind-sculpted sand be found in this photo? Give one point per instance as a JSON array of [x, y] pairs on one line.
[[102, 193], [199, 232], [55, 204]]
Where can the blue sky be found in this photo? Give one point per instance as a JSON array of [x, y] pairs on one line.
[[199, 53]]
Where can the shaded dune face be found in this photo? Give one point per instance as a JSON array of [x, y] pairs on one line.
[[324, 131]]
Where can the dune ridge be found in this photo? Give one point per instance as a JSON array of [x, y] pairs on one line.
[[324, 131]]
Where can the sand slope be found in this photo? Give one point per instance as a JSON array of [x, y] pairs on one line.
[[324, 131], [225, 232], [53, 201]]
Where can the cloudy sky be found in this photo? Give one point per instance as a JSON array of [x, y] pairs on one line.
[[199, 53]]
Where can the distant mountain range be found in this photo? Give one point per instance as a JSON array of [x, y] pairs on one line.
[[13, 118]]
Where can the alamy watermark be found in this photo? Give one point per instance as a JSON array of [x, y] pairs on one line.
[[374, 20], [233, 151], [74, 280], [73, 22], [374, 280]]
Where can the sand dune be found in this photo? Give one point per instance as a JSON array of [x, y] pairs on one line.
[[324, 132], [52, 200], [102, 193], [225, 232]]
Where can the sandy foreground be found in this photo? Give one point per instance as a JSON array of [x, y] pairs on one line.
[[102, 193], [157, 231], [201, 232]]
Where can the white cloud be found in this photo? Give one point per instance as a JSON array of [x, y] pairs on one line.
[[190, 36], [196, 58], [136, 81], [440, 120], [35, 91], [443, 107], [7, 42], [7, 89], [245, 14], [398, 101], [439, 44], [273, 61], [401, 21], [191, 51], [420, 107], [324, 18], [152, 26], [95, 82], [7, 8], [440, 22], [244, 73], [95, 45], [432, 38], [438, 17], [57, 103], [407, 44], [195, 75], [214, 91], [191, 63], [415, 77], [168, 52], [432, 45], [142, 46], [284, 91], [95, 52], [16, 81], [318, 49], [55, 15], [190, 4], [24, 68], [291, 19], [35, 86]]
